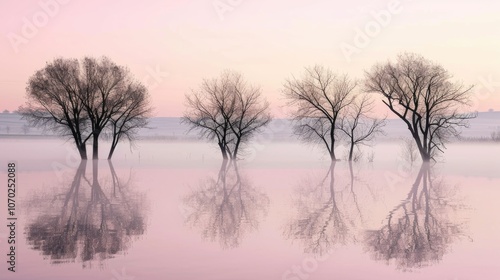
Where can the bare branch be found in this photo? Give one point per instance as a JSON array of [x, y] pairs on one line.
[[421, 94]]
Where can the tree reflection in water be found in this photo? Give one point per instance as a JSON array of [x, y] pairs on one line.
[[89, 221], [328, 213], [226, 208], [419, 230]]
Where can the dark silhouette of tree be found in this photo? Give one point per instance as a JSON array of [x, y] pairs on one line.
[[226, 208], [54, 102], [418, 231], [228, 110], [89, 221], [324, 220], [133, 115], [112, 96], [422, 94], [81, 99], [251, 113], [357, 125], [318, 100]]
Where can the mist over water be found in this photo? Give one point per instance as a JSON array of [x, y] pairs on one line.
[[172, 208], [168, 205]]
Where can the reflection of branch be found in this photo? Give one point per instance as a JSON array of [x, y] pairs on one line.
[[90, 222], [353, 193], [227, 208], [321, 223], [418, 231]]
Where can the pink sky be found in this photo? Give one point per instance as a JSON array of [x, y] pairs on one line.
[[267, 41]]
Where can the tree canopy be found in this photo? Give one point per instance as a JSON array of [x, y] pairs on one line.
[[81, 99]]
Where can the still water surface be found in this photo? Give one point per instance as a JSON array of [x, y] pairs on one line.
[[174, 211]]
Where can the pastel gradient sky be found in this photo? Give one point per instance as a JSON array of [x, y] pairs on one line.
[[267, 41]]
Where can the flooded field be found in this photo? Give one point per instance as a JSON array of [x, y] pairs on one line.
[[173, 210]]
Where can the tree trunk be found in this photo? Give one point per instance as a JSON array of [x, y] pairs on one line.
[[82, 149], [426, 157], [332, 155], [114, 143], [424, 154], [332, 151], [332, 139], [223, 151], [351, 150], [236, 148], [111, 151], [95, 146]]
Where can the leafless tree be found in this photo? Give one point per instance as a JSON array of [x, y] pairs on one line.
[[251, 112], [132, 115], [204, 113], [54, 102], [418, 231], [422, 94], [109, 96], [79, 99], [358, 126], [318, 99], [229, 110], [409, 151]]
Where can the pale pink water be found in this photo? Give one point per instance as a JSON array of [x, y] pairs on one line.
[[271, 220]]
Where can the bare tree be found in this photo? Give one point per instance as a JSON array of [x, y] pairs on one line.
[[207, 110], [409, 151], [54, 102], [421, 94], [357, 125], [318, 99], [132, 116], [111, 94], [104, 80], [250, 114], [228, 110], [80, 99]]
